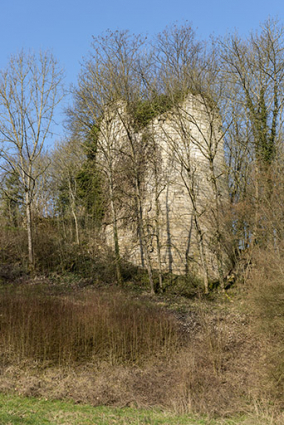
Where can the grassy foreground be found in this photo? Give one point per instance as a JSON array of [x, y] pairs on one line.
[[31, 411], [107, 347]]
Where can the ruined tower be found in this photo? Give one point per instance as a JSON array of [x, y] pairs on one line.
[[183, 189]]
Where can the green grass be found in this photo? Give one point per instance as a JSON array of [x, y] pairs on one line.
[[31, 411]]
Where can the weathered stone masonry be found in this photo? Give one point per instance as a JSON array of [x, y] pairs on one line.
[[188, 188]]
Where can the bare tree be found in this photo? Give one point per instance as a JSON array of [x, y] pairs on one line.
[[253, 70], [188, 75], [110, 85], [67, 160], [30, 89]]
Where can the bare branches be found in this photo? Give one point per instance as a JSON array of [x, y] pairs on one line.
[[30, 90]]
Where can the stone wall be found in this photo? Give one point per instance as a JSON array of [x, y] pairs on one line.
[[184, 182]]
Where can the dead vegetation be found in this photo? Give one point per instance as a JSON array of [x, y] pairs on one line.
[[85, 326], [187, 355]]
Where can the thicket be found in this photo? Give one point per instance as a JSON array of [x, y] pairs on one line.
[[64, 330], [266, 303]]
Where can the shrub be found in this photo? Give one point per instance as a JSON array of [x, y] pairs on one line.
[[266, 304]]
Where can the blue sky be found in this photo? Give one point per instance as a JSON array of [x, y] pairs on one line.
[[66, 27]]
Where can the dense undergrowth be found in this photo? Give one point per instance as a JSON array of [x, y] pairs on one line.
[[68, 332], [121, 347], [92, 326]]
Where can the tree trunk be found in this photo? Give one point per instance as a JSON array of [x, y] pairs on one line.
[[169, 241], [188, 248], [202, 255], [76, 226], [216, 214], [200, 241], [143, 236], [139, 217], [115, 233], [29, 231], [157, 231], [73, 210], [148, 262]]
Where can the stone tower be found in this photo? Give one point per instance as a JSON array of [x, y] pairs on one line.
[[184, 189]]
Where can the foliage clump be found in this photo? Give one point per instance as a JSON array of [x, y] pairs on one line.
[[145, 110]]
